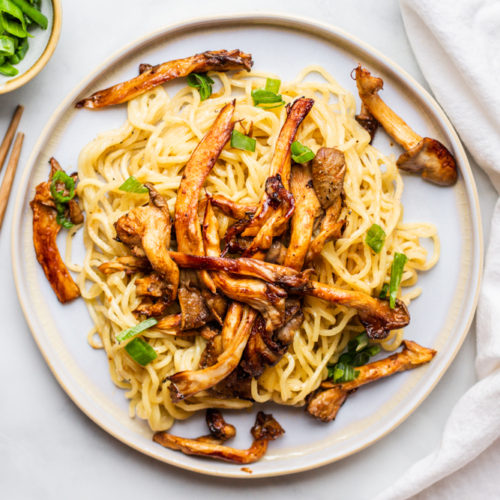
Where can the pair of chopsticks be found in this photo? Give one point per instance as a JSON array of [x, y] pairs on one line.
[[13, 160]]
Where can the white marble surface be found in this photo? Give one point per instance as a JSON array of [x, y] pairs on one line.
[[48, 448]]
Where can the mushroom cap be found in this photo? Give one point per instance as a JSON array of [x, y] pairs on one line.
[[433, 160], [367, 83]]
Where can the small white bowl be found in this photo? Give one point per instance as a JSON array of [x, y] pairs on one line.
[[41, 48]]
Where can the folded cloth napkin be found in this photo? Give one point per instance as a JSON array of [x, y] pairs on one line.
[[457, 45]]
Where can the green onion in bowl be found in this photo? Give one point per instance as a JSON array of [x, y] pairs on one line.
[[18, 19]]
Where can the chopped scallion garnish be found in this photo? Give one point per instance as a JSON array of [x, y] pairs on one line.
[[202, 83], [140, 351], [344, 372], [241, 141], [7, 45], [132, 185], [32, 13], [301, 153], [273, 85], [61, 219], [135, 330], [362, 357], [358, 353], [384, 291], [267, 99], [375, 238], [397, 268], [358, 343], [69, 183]]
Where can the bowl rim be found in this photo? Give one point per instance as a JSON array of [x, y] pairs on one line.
[[39, 64]]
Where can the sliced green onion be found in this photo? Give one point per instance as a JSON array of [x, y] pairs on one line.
[[358, 343], [7, 45], [397, 268], [358, 354], [63, 221], [32, 12], [301, 153], [364, 356], [202, 83], [346, 358], [68, 182], [273, 85], [140, 351], [241, 141], [375, 238], [267, 99], [135, 330], [372, 350], [361, 358], [344, 373], [8, 70], [22, 48], [61, 218], [132, 185], [10, 13], [384, 291], [20, 52]]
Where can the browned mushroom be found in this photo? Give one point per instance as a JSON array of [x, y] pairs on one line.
[[45, 230], [281, 206], [276, 253], [146, 231], [328, 172], [155, 294], [325, 404], [152, 76], [194, 312], [270, 205], [265, 429], [218, 427], [170, 323], [267, 298], [129, 263], [187, 225], [263, 349], [239, 320], [306, 210], [231, 208], [331, 229], [367, 121], [375, 314], [423, 155], [145, 67]]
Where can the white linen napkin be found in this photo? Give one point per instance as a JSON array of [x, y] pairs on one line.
[[457, 45]]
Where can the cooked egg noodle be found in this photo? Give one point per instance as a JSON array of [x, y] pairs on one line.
[[153, 145]]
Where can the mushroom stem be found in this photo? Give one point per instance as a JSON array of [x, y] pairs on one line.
[[394, 125], [424, 155]]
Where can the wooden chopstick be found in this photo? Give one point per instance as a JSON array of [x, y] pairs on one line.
[[9, 135], [9, 175]]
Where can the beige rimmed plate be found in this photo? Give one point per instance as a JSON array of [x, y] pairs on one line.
[[42, 46], [440, 317]]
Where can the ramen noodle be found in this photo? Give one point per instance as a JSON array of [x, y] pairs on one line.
[[154, 144]]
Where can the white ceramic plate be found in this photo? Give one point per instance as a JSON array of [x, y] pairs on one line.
[[440, 317]]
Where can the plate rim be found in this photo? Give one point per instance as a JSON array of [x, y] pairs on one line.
[[307, 25]]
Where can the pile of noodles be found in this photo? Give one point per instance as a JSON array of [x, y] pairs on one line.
[[153, 145]]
